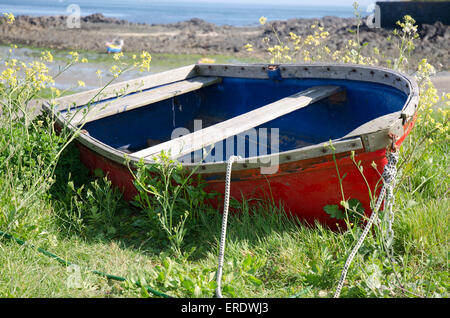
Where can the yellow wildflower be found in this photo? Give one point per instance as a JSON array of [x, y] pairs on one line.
[[9, 17], [55, 91], [146, 58], [249, 47], [47, 56], [262, 20], [75, 56], [117, 56], [206, 60], [115, 71], [324, 34]]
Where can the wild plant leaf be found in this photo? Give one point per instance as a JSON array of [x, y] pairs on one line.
[[247, 262], [227, 289], [98, 173], [334, 212], [254, 280], [188, 284], [355, 205], [374, 279]]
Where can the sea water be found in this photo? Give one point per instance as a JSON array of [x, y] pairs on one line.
[[221, 12]]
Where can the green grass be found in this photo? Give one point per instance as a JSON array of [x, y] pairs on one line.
[[267, 254]]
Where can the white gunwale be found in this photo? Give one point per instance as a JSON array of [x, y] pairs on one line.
[[366, 140]]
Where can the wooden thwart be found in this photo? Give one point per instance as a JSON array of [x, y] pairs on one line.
[[139, 99], [186, 144]]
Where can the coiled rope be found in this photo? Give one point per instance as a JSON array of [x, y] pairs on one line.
[[223, 234], [388, 176]]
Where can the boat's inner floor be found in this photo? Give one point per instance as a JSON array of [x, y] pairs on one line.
[[152, 124]]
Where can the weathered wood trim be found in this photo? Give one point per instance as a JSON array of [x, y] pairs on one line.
[[129, 102], [236, 70], [375, 133], [186, 144], [309, 152]]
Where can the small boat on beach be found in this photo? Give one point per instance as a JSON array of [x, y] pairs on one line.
[[280, 119], [115, 46]]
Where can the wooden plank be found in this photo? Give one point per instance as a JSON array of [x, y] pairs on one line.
[[136, 100], [126, 87], [210, 135]]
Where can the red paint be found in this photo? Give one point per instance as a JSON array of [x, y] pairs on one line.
[[302, 187], [304, 192]]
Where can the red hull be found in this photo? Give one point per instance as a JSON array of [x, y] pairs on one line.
[[302, 187]]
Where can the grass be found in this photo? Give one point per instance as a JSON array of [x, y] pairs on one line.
[[49, 199], [267, 254]]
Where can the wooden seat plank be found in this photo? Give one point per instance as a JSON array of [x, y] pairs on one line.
[[139, 99]]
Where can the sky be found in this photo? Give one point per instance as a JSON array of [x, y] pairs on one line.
[[362, 3], [302, 2]]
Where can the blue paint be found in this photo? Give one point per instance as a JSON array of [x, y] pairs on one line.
[[274, 74], [316, 123]]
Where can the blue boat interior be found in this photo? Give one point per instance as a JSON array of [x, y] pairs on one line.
[[146, 126]]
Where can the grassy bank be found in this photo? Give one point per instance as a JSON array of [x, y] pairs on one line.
[[67, 82], [161, 61], [49, 199]]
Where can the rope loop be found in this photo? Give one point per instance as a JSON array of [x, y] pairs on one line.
[[386, 194], [223, 234]]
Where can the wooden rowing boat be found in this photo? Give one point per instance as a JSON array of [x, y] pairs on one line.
[[278, 118]]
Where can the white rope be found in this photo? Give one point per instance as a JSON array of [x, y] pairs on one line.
[[389, 173], [226, 203]]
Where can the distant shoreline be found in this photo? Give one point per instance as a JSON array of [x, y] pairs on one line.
[[169, 12], [197, 36]]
